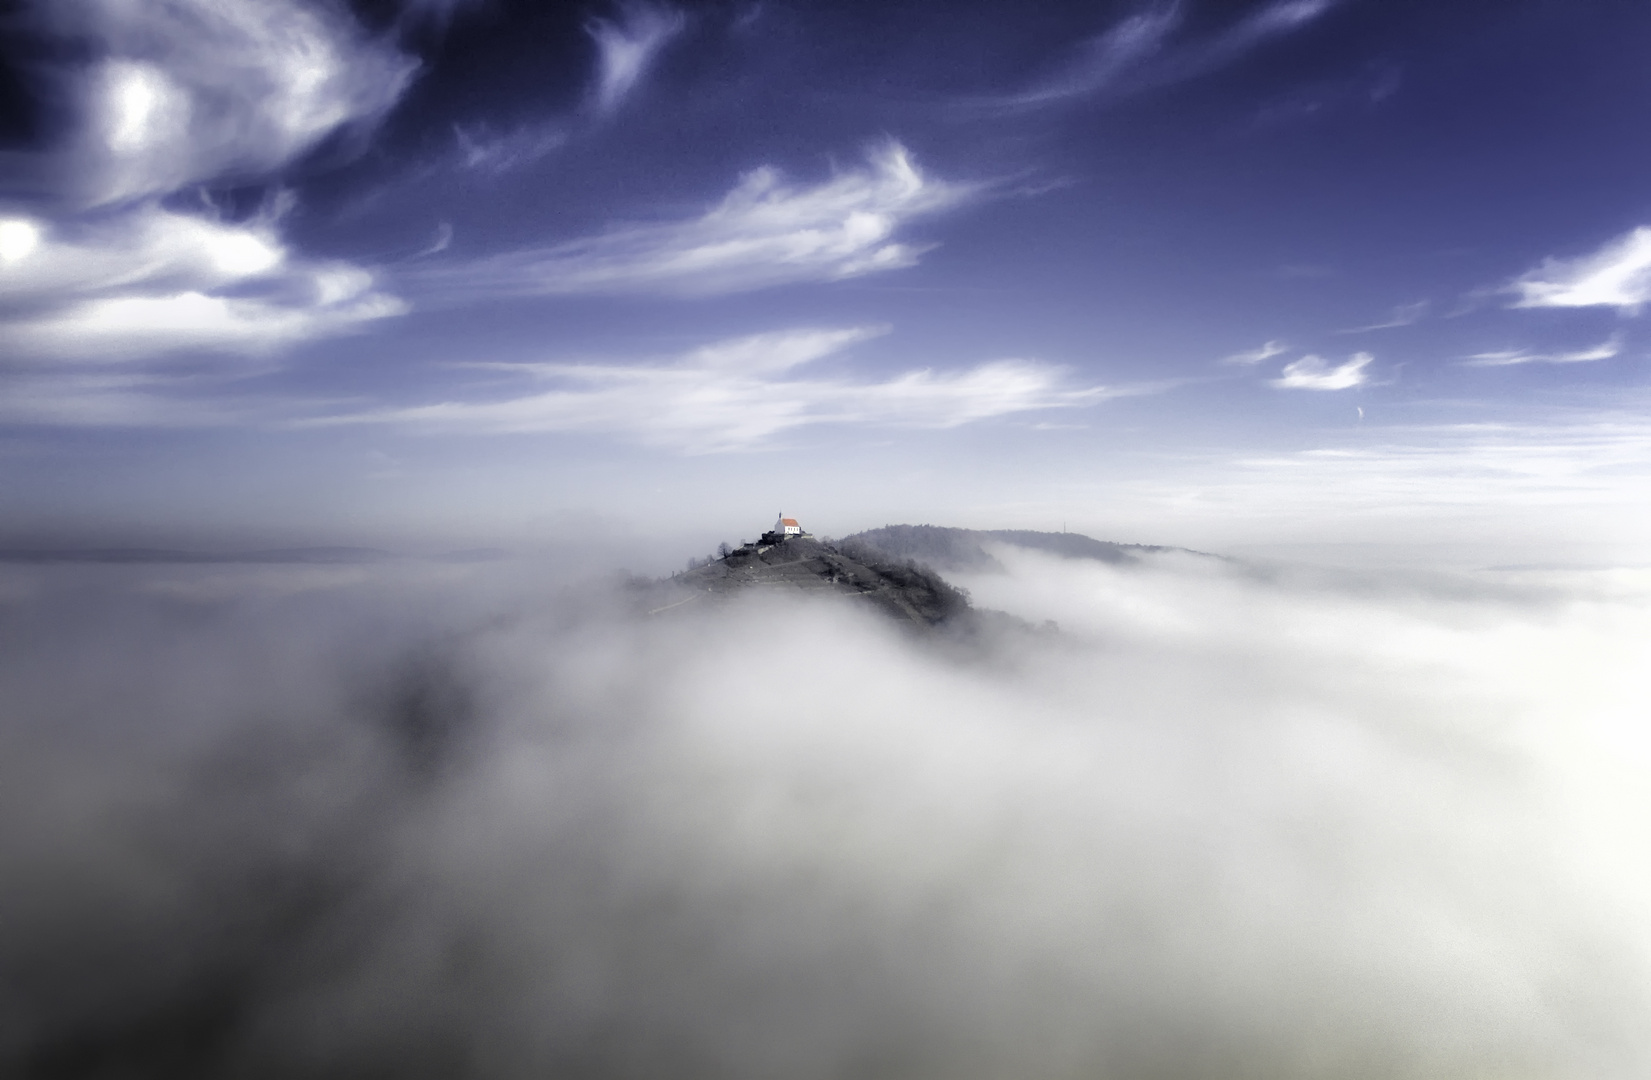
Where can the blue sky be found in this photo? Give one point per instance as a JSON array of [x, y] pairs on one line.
[[446, 272]]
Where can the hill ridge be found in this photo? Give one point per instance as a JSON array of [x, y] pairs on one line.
[[944, 547]]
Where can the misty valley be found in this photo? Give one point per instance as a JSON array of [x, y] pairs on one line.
[[1145, 813]]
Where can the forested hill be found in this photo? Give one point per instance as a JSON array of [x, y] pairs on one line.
[[896, 587]]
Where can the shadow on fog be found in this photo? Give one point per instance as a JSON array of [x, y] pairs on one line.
[[466, 820]]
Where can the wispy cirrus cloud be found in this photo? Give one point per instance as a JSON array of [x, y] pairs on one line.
[[1605, 350], [1104, 59], [1271, 21], [1403, 315], [1251, 357], [1617, 275], [740, 393], [627, 46], [765, 232], [1140, 51], [1315, 373], [484, 149]]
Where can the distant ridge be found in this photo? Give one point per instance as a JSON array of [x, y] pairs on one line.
[[946, 548]]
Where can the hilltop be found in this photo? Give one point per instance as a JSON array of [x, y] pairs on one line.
[[894, 570], [901, 589]]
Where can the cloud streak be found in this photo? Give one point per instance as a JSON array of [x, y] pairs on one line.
[[1403, 315], [1605, 350], [1105, 59], [1139, 52], [1251, 357], [741, 393], [765, 232]]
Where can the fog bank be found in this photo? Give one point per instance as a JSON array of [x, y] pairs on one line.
[[473, 820]]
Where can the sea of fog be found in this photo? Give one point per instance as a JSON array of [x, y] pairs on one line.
[[437, 820]]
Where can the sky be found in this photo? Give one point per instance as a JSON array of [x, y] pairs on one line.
[[436, 273]]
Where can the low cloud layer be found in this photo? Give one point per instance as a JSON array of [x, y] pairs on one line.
[[452, 821]]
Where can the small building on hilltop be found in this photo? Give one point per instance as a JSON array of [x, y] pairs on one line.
[[783, 529]]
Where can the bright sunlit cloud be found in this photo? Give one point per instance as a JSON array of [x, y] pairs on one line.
[[131, 327], [148, 280], [194, 89], [741, 393], [1617, 275], [765, 232], [143, 249], [176, 95], [18, 239], [1315, 373]]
